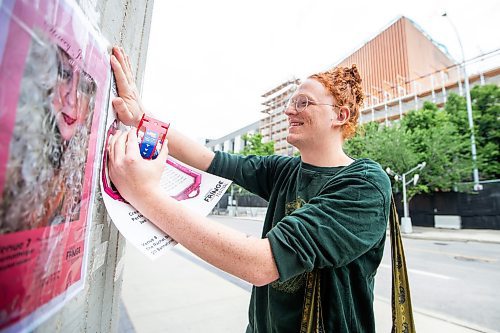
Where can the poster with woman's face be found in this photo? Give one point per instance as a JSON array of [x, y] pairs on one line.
[[54, 79]]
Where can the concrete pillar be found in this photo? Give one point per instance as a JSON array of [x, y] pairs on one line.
[[96, 308]]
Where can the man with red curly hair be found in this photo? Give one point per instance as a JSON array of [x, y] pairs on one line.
[[324, 232]]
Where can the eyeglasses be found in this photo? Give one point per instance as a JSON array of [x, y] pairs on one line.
[[301, 102]]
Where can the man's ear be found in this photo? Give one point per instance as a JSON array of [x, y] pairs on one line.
[[343, 114]]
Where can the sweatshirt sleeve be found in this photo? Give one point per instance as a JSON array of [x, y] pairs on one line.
[[346, 220], [254, 173]]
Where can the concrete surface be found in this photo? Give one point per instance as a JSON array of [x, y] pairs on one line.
[[180, 293], [97, 307]]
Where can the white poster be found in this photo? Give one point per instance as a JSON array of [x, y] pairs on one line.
[[197, 190]]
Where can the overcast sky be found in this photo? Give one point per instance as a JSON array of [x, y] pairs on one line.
[[209, 61]]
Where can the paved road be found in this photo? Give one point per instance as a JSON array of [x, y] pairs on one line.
[[457, 280], [453, 281], [453, 288]]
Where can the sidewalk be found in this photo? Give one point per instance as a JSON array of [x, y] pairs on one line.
[[458, 235], [176, 294], [180, 293], [439, 234]]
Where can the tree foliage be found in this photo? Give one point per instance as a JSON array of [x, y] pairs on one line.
[[255, 146], [486, 117], [441, 138]]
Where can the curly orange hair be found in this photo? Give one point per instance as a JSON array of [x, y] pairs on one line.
[[344, 84]]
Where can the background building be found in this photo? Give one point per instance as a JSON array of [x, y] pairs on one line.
[[398, 56], [233, 142], [274, 127], [402, 67]]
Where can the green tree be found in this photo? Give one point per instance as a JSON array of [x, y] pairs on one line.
[[440, 137], [422, 135], [457, 111], [436, 140], [390, 146], [486, 116], [486, 111], [255, 146], [359, 145]]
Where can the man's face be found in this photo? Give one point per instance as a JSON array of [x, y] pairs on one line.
[[307, 127], [70, 108]]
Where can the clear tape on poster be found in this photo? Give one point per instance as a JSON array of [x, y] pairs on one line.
[[54, 89]]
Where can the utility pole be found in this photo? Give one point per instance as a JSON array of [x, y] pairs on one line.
[[477, 185]]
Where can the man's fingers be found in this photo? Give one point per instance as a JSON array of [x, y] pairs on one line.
[[120, 56], [111, 156], [119, 149], [122, 83], [112, 146], [132, 143], [123, 112], [164, 151]]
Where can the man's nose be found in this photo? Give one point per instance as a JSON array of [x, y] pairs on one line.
[[290, 110]]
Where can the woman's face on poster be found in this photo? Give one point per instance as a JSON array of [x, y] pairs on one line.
[[71, 106]]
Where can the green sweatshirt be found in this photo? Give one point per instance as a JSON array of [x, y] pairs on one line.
[[330, 218]]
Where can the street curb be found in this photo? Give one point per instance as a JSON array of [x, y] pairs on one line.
[[238, 217], [447, 238], [451, 239]]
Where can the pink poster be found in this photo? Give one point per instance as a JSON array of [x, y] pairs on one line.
[[54, 83]]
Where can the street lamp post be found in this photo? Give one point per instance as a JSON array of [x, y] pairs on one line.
[[406, 226], [477, 186]]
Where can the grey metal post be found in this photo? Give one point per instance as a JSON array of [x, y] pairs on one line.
[[405, 204], [443, 87], [477, 186]]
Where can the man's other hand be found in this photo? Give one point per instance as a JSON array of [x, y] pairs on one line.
[[128, 105]]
